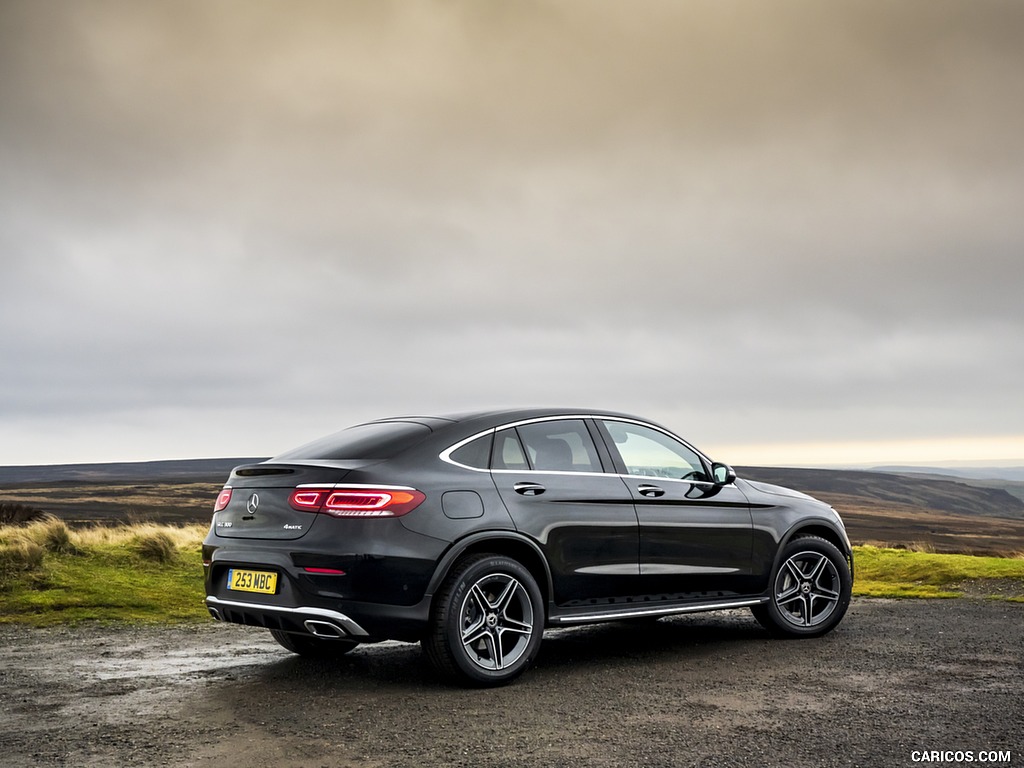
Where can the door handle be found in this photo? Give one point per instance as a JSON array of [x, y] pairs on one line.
[[528, 489], [650, 491]]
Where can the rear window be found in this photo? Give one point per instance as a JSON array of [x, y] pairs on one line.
[[365, 441]]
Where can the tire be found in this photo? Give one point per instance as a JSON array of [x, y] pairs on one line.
[[487, 622], [313, 647], [809, 590]]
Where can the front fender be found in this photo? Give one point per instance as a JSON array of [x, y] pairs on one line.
[[822, 528]]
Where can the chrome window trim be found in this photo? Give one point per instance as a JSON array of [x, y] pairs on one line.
[[446, 455], [561, 472]]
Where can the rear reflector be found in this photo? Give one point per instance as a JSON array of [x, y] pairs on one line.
[[357, 502], [222, 500], [328, 571]]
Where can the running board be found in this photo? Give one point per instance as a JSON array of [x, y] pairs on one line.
[[636, 613]]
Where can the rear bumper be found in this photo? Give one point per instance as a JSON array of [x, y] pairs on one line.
[[364, 622], [316, 621]]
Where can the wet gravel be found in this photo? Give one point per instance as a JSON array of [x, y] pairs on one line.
[[896, 678]]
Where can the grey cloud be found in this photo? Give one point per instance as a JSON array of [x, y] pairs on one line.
[[780, 220]]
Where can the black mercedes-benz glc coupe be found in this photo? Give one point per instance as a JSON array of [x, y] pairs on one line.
[[474, 532]]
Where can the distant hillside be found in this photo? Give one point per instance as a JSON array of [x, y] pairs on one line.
[[152, 491], [940, 513], [1013, 474], [945, 495], [190, 470], [1009, 479]]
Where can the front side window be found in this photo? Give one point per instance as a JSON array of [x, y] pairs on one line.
[[650, 453], [564, 445]]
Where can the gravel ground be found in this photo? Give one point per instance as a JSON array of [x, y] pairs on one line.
[[896, 678]]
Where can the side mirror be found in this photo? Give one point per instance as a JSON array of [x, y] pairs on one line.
[[723, 473]]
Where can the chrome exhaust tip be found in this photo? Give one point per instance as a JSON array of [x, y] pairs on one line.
[[323, 629]]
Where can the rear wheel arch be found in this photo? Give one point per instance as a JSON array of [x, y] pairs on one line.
[[513, 546]]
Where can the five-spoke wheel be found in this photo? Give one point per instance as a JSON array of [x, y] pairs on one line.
[[487, 622], [807, 588], [496, 620], [810, 589]]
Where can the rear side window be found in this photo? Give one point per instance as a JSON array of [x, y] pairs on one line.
[[365, 441], [564, 445], [475, 453]]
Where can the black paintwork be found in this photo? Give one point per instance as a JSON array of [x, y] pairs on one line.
[[597, 546]]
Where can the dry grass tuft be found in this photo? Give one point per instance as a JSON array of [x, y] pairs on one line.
[[97, 537], [53, 535], [155, 545], [151, 540]]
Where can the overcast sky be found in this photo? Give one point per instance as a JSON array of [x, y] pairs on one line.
[[792, 231]]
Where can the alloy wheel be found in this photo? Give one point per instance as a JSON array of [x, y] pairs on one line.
[[807, 589], [496, 621]]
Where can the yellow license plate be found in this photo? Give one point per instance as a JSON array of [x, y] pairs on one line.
[[241, 580]]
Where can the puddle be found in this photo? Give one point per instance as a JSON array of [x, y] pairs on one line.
[[177, 663]]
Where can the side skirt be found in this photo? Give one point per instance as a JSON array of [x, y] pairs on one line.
[[562, 616]]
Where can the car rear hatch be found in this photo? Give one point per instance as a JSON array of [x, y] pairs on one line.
[[258, 505]]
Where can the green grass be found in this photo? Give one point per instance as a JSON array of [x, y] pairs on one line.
[[135, 574], [902, 573], [153, 574]]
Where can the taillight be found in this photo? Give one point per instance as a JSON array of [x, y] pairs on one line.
[[357, 502], [222, 500], [307, 501], [372, 503]]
